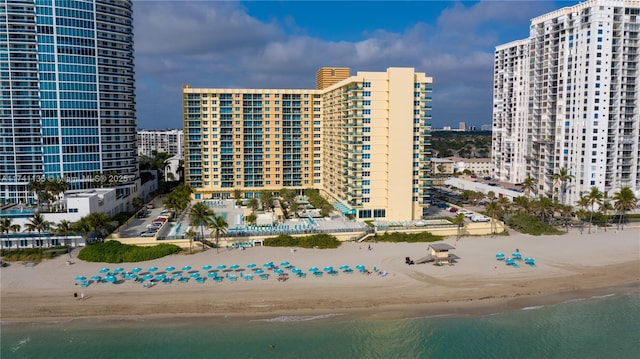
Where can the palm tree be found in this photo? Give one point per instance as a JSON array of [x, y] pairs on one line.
[[544, 207], [458, 220], [529, 185], [266, 197], [523, 204], [219, 226], [583, 202], [6, 226], [191, 234], [200, 216], [594, 197], [605, 207], [84, 227], [64, 228], [36, 186], [253, 204], [624, 201], [100, 223], [563, 177], [55, 187], [492, 208], [37, 223], [237, 196]]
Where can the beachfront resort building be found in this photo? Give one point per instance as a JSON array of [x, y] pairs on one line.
[[67, 108], [580, 68], [363, 140]]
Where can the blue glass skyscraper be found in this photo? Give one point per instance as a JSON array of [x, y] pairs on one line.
[[68, 94]]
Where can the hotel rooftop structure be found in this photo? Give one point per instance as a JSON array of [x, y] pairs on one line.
[[362, 140]]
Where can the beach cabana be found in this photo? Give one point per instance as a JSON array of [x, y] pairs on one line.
[[440, 252]]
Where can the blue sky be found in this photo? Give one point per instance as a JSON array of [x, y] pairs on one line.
[[281, 44]]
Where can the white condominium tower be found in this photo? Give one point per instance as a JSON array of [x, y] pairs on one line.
[[170, 141], [510, 106], [582, 108]]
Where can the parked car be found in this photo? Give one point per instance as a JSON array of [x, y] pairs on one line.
[[442, 205], [479, 218], [147, 234], [452, 209]]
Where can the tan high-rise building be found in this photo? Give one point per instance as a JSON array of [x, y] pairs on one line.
[[328, 76], [363, 141]]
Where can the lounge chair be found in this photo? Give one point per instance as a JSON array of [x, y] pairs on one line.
[[248, 277]]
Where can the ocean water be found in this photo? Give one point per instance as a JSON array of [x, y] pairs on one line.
[[596, 327]]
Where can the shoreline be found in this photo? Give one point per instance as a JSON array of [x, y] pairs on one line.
[[569, 267], [450, 309]]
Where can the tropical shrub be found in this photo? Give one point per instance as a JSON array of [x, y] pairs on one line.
[[322, 241], [35, 255], [529, 224], [407, 237], [116, 252]]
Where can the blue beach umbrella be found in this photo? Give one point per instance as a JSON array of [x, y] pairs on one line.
[[344, 266], [212, 274], [328, 269], [259, 271], [110, 279], [207, 267], [359, 267], [96, 278], [153, 269], [185, 268], [147, 276], [160, 277], [284, 264], [251, 265], [170, 268], [104, 270], [118, 270], [313, 269], [296, 270], [195, 275], [234, 266], [176, 275], [81, 278], [136, 270], [278, 271], [221, 266]]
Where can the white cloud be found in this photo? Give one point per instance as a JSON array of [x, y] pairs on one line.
[[217, 44]]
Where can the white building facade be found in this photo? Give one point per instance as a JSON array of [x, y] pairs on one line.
[[170, 141], [583, 100]]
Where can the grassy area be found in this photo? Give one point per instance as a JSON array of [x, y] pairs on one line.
[[116, 252], [35, 255], [407, 237], [322, 241], [529, 224]]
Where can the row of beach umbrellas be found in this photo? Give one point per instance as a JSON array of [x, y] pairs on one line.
[[111, 276]]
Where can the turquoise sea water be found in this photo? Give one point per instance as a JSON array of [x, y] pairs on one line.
[[596, 327]]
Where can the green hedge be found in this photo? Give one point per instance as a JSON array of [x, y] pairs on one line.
[[314, 241], [407, 237], [116, 252], [35, 255], [529, 224]]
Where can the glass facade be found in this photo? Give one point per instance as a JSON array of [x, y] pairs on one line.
[[68, 73]]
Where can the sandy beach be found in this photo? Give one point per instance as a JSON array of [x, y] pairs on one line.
[[567, 267]]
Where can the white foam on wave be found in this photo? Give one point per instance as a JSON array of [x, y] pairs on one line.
[[576, 300], [603, 296], [20, 344], [298, 318], [533, 307]]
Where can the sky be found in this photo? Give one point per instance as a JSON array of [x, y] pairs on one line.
[[281, 44]]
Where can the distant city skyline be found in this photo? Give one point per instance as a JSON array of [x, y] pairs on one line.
[[281, 44]]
